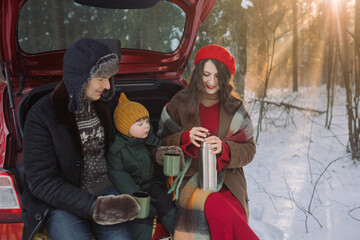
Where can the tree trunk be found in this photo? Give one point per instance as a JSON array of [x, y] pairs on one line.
[[301, 38], [270, 52], [294, 48], [242, 63], [329, 14], [343, 52], [357, 75], [330, 64], [59, 29]]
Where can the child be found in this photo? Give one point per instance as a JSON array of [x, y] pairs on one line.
[[130, 165]]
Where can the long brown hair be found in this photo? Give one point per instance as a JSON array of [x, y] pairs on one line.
[[192, 95]]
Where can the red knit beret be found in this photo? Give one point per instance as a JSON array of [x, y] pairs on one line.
[[216, 52]]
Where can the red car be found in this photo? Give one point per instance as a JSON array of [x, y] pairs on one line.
[[156, 36]]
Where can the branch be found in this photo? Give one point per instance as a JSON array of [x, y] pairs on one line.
[[267, 194], [350, 33], [287, 105], [301, 208], [349, 213], [317, 181], [308, 152]]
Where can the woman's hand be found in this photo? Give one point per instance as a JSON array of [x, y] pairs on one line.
[[197, 134], [214, 142]]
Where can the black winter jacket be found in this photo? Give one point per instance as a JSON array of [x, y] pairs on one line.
[[53, 160]]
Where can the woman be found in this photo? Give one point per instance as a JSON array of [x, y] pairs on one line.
[[67, 134], [209, 111]]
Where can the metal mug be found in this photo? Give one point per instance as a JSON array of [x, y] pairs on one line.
[[143, 199], [171, 164]]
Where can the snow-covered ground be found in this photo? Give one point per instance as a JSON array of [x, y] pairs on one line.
[[302, 183]]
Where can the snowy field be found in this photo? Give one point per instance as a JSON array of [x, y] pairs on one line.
[[302, 183]]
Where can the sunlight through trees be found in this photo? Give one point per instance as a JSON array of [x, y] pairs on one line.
[[292, 44]]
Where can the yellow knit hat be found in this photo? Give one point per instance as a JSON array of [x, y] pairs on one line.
[[127, 113]]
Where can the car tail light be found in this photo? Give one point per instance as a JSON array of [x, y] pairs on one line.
[[10, 209]]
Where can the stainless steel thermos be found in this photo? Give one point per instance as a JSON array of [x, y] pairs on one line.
[[207, 168]]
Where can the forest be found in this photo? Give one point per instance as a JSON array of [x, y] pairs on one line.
[[292, 44], [298, 71]]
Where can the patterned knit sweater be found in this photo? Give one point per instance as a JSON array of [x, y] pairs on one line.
[[94, 176]]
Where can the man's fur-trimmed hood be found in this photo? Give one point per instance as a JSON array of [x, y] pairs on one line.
[[83, 60]]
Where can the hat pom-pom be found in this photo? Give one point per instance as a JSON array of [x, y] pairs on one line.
[[123, 98]]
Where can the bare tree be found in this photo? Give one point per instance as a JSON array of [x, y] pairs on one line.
[[357, 78], [269, 22], [352, 99], [330, 62], [294, 47]]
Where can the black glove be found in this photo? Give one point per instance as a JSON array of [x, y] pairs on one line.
[[111, 209], [162, 150]]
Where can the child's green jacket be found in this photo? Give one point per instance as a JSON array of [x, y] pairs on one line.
[[129, 163]]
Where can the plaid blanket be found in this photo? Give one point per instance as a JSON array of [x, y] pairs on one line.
[[192, 223]]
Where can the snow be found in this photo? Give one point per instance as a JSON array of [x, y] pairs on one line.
[[302, 183], [246, 3]]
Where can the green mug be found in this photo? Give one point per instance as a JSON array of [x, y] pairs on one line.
[[143, 199], [171, 164]]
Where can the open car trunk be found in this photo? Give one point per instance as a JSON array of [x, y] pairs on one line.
[[156, 38], [152, 93]]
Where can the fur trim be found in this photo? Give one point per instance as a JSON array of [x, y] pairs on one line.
[[162, 150], [111, 209], [106, 66]]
